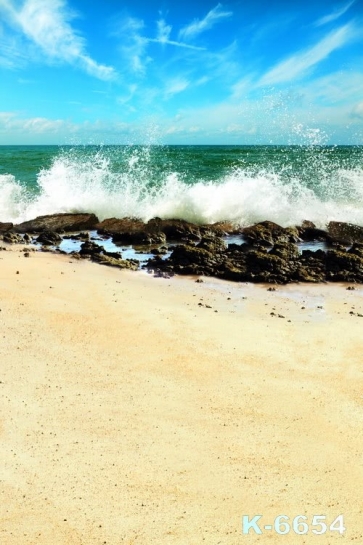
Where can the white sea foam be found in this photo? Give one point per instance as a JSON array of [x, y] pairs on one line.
[[92, 184]]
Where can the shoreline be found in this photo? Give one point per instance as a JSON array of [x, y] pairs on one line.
[[132, 414], [262, 253]]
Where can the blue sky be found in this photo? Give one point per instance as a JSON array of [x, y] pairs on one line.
[[191, 72]]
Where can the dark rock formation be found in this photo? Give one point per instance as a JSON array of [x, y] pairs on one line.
[[344, 233], [130, 231], [104, 259], [5, 227], [49, 238], [344, 266], [309, 232], [12, 238], [268, 233], [58, 223]]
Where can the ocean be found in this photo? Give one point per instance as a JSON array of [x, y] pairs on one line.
[[202, 184]]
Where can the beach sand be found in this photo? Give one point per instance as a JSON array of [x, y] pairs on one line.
[[131, 413]]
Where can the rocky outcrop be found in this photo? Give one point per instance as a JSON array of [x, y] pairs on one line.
[[5, 227], [308, 232], [344, 233], [130, 231], [103, 259], [98, 254], [268, 233], [12, 238], [175, 230], [49, 238], [58, 223], [344, 266]]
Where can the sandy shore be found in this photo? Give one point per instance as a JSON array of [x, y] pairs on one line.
[[133, 413]]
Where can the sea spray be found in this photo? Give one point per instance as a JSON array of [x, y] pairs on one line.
[[202, 184]]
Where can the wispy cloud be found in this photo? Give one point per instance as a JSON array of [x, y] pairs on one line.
[[134, 44], [47, 25], [334, 15], [163, 37], [297, 65], [358, 110], [176, 85], [201, 25], [163, 31], [10, 121]]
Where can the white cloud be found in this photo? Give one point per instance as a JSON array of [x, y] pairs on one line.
[[334, 15], [297, 65], [163, 31], [201, 25], [47, 25], [163, 37], [134, 45], [358, 110], [10, 122], [175, 86]]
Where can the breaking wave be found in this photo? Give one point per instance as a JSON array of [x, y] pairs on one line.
[[136, 183]]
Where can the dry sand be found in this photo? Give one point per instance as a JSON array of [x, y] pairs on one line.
[[130, 414]]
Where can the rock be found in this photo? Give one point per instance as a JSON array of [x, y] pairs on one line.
[[12, 238], [5, 227], [286, 250], [89, 248], [58, 222], [113, 226], [268, 233], [356, 249], [344, 266], [130, 231], [49, 238], [131, 264], [79, 236], [212, 244], [344, 233], [174, 229], [309, 232], [224, 228]]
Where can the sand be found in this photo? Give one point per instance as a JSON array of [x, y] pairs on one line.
[[132, 413]]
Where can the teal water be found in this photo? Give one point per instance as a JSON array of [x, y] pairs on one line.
[[242, 184]]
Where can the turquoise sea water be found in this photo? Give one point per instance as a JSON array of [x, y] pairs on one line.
[[204, 184]]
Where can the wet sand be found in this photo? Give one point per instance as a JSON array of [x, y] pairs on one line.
[[133, 413]]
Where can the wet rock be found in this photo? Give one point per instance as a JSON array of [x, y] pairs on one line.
[[212, 244], [90, 248], [224, 228], [80, 236], [309, 232], [356, 249], [344, 266], [345, 233], [285, 250], [12, 238], [130, 231], [102, 259], [175, 229], [268, 233], [114, 226], [5, 227], [229, 271], [49, 238], [59, 223], [159, 251], [311, 267]]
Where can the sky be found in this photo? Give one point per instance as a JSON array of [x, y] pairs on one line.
[[190, 72]]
